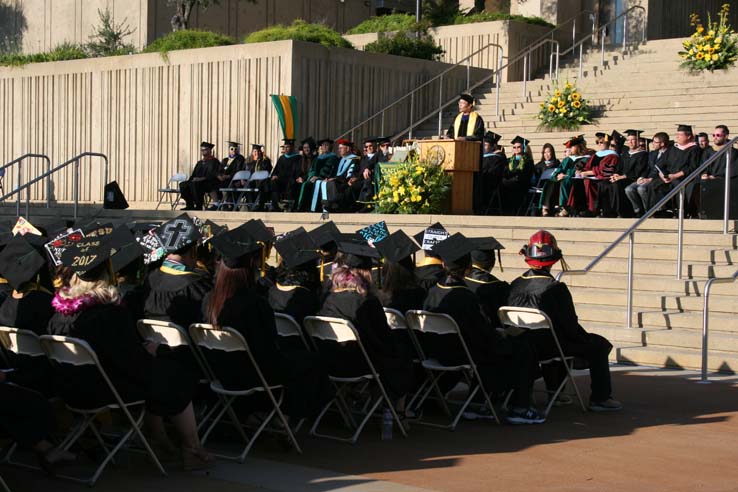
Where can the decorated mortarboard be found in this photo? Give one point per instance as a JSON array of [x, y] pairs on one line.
[[357, 255], [467, 97], [177, 234], [375, 233], [484, 249], [633, 133], [684, 128], [206, 145], [492, 137], [98, 230], [518, 139], [153, 249], [209, 229], [325, 140], [296, 249], [126, 248], [235, 248], [431, 236], [397, 246], [325, 234], [453, 249], [85, 256], [61, 242], [233, 144], [20, 261], [23, 227]]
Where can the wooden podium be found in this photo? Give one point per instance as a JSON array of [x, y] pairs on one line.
[[461, 159]]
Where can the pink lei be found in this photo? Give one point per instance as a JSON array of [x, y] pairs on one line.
[[69, 307]]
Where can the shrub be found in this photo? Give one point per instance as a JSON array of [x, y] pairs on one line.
[[107, 40], [401, 44], [188, 39], [300, 30], [495, 16], [386, 23], [65, 51]]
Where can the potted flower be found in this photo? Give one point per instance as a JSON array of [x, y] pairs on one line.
[[564, 109], [414, 187], [712, 48]]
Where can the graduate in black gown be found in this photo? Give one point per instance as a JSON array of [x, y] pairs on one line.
[[537, 289], [90, 309], [431, 270], [681, 159], [516, 177], [128, 268], [363, 184], [203, 180], [234, 303], [286, 179], [468, 124], [632, 166], [326, 237], [174, 292], [487, 180], [400, 288], [502, 363], [229, 166], [491, 291], [352, 298]]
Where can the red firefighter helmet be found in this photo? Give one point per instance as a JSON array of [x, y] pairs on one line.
[[541, 250]]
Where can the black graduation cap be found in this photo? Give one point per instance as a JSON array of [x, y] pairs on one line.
[[370, 140], [235, 247], [383, 140], [255, 147], [5, 238], [233, 144], [492, 137], [578, 140], [618, 137], [467, 97], [325, 234], [357, 255], [206, 145], [397, 246], [684, 128], [126, 248], [453, 249], [85, 256], [325, 140], [430, 236], [310, 141], [296, 248], [177, 234], [484, 249], [54, 228], [375, 232], [603, 135], [20, 261], [288, 141], [518, 139], [633, 133], [351, 237], [210, 229], [257, 230]]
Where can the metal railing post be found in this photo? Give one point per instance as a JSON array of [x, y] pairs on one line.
[[382, 124], [573, 33], [412, 111], [48, 183], [525, 71], [76, 187], [726, 205], [558, 60], [705, 320], [468, 76], [440, 107], [680, 232], [631, 248], [28, 201], [602, 48], [625, 33], [581, 60], [18, 199]]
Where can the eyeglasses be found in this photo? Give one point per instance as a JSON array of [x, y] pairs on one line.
[[718, 135], [517, 146]]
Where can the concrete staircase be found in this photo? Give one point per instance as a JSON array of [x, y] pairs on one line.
[[644, 89], [667, 312]]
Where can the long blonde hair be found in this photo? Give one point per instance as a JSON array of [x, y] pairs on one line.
[[101, 289]]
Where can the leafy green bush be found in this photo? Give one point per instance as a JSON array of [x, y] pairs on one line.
[[300, 30], [65, 51], [495, 16], [108, 38], [188, 39], [440, 12], [386, 23], [401, 44]]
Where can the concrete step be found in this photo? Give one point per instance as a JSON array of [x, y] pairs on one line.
[[726, 362], [718, 322], [694, 108], [691, 339], [722, 300], [659, 267]]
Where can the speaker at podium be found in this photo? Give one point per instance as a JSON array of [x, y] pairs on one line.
[[461, 159]]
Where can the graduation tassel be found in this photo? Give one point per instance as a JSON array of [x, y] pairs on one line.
[[499, 260], [263, 259], [322, 264]]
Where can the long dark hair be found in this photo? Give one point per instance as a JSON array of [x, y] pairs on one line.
[[227, 282], [397, 276], [543, 152]]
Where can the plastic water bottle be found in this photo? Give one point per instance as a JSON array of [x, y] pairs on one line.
[[387, 422]]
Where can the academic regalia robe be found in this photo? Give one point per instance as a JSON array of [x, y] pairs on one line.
[[429, 272], [5, 289], [25, 415], [515, 183], [556, 193], [193, 192], [491, 293], [176, 295], [231, 165], [367, 316], [323, 167], [538, 289], [612, 198], [264, 164], [337, 193], [365, 189], [476, 133], [167, 386], [487, 181], [296, 300], [584, 196], [676, 159], [287, 170], [134, 297]]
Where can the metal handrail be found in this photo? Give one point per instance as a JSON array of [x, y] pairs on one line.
[[705, 316], [74, 160], [679, 189], [20, 176]]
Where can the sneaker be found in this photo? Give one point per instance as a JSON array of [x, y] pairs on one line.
[[524, 416], [482, 414], [609, 405]]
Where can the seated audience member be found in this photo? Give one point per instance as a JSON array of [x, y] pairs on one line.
[[385, 153], [203, 180], [90, 309], [556, 191], [583, 199], [430, 271], [516, 177], [235, 303], [720, 138], [128, 269], [633, 166], [286, 179], [487, 180], [175, 291], [324, 166], [352, 298], [681, 160], [230, 165], [637, 192], [257, 161], [400, 289], [548, 161], [503, 364], [617, 142], [364, 182], [326, 237], [491, 291], [308, 154], [703, 142], [537, 289], [336, 193]]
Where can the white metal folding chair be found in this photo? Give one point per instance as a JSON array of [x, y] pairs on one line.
[[322, 329], [4, 486], [537, 190], [171, 190], [287, 326], [535, 319], [232, 193], [65, 352], [229, 340], [251, 194], [438, 324]]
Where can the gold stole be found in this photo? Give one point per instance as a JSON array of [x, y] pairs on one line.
[[469, 126]]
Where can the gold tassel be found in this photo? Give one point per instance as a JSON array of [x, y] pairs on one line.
[[263, 258], [322, 264]]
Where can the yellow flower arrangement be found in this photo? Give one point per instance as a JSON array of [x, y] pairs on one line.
[[414, 187], [564, 108], [714, 47]]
